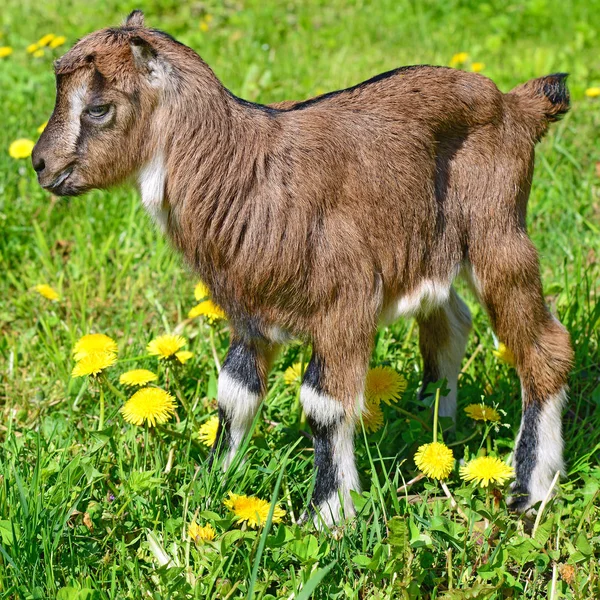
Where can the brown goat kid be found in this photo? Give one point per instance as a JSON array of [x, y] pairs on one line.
[[322, 219]]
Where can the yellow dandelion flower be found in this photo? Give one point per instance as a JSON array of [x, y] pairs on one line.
[[485, 470], [43, 289], [93, 364], [293, 374], [32, 48], [137, 377], [21, 148], [208, 309], [44, 41], [208, 431], [151, 405], [204, 26], [183, 356], [201, 291], [384, 384], [5, 51], [459, 58], [372, 417], [481, 412], [504, 354], [200, 533], [592, 92], [94, 342], [39, 53], [41, 128], [251, 509], [166, 346], [435, 460], [477, 67], [59, 40]]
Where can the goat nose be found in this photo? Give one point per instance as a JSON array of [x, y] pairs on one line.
[[38, 164]]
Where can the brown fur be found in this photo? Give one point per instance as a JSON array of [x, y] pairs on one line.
[[315, 217]]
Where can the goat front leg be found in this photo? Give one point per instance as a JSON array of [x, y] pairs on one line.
[[443, 336], [332, 397], [242, 384]]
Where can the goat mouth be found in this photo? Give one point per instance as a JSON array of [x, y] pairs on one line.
[[62, 177], [57, 186]]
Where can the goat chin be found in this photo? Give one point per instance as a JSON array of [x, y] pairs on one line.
[[320, 219]]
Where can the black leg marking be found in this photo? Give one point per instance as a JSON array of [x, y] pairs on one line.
[[241, 364], [313, 376], [525, 455], [327, 480]]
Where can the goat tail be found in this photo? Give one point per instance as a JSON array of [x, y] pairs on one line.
[[543, 101]]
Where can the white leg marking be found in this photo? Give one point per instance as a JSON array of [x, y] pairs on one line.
[[425, 297], [549, 450], [239, 405], [339, 504], [328, 412], [450, 357], [151, 180], [322, 408]]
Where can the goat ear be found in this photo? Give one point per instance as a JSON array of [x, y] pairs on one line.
[[135, 19], [143, 53], [148, 62]]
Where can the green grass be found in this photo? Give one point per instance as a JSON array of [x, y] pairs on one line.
[[94, 514]]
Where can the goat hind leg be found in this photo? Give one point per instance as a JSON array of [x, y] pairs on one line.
[[443, 336], [512, 292]]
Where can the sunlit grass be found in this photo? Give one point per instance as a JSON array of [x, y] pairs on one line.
[[90, 502]]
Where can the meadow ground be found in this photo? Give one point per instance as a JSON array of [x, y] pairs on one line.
[[99, 508]]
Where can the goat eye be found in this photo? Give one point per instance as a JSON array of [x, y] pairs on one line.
[[97, 112]]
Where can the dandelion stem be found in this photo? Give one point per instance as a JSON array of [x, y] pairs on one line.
[[101, 420], [540, 512], [179, 391], [448, 494], [465, 440], [412, 416], [113, 389], [214, 349], [453, 502], [436, 411], [409, 483], [411, 328], [145, 444], [471, 359]]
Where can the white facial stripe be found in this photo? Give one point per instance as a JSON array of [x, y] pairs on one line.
[[240, 406], [77, 102], [549, 450], [152, 179]]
